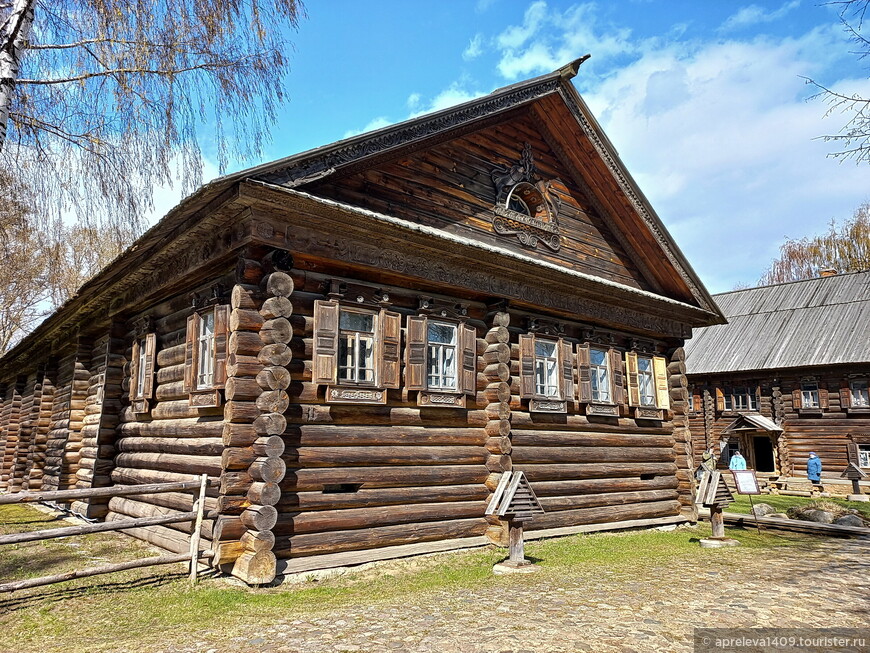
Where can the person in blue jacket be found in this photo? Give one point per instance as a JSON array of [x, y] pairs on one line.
[[737, 461], [814, 468]]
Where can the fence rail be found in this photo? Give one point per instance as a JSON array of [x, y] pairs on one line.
[[196, 515]]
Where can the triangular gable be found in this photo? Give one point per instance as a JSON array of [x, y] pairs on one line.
[[514, 497], [752, 422], [566, 127]]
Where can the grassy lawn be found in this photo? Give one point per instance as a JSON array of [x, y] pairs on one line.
[[144, 609], [783, 503]]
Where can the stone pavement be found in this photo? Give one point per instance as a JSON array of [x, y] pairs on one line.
[[823, 583]]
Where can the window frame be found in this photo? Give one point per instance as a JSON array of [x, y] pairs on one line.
[[863, 455], [206, 394], [658, 384], [864, 401], [815, 395], [563, 373], [142, 365], [375, 347], [440, 347], [417, 361], [594, 379]]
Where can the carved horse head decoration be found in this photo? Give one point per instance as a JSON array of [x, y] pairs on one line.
[[525, 207]]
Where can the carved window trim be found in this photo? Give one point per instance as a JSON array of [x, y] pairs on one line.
[[615, 378], [556, 402], [855, 396], [418, 360], [810, 390], [655, 403]]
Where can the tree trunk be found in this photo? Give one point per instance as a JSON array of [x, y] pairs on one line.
[[14, 36]]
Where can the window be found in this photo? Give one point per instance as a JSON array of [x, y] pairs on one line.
[[546, 372], [356, 348], [809, 395], [645, 382], [142, 372], [205, 352], [546, 369], [691, 401], [441, 356], [729, 401], [744, 399], [864, 455], [648, 381], [206, 356], [858, 393], [600, 375]]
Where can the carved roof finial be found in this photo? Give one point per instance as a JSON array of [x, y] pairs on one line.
[[569, 71]]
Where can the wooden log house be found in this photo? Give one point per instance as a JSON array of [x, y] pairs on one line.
[[358, 340], [786, 376]]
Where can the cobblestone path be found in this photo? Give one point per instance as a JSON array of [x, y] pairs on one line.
[[823, 583]]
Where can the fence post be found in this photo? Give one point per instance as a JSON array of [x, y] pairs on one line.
[[199, 507]]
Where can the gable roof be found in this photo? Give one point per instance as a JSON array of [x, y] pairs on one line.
[[574, 133], [808, 323]]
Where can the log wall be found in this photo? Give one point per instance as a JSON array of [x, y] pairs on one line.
[[825, 432]]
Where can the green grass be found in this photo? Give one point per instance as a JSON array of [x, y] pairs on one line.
[[783, 503], [145, 609]]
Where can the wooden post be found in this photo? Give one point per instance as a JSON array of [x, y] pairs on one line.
[[517, 546], [199, 507], [717, 521]]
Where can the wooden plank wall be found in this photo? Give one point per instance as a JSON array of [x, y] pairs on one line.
[[449, 186]]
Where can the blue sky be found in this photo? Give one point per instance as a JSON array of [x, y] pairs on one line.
[[704, 100]]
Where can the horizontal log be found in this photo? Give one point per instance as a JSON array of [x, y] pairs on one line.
[[238, 435], [304, 501], [587, 439], [523, 420], [348, 456], [171, 462], [255, 567], [241, 411], [267, 470], [382, 477], [241, 365], [604, 514], [290, 523], [278, 284], [180, 409], [276, 331], [186, 446], [363, 415], [242, 389], [165, 538], [168, 356], [275, 307], [274, 377], [247, 295], [247, 343], [61, 495], [273, 401], [264, 494], [275, 354], [248, 272], [524, 455], [603, 486], [551, 504], [260, 518], [497, 334], [258, 540], [242, 319], [270, 424], [370, 538], [554, 472]]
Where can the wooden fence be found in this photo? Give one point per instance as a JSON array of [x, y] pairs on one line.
[[195, 515]]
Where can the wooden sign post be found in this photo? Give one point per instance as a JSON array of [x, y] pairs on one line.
[[746, 483], [855, 474], [714, 494], [514, 500]]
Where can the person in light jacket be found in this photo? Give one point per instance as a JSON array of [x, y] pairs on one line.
[[737, 461], [814, 468]]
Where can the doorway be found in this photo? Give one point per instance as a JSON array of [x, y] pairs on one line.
[[762, 447]]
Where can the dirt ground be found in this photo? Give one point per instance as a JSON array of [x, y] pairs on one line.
[[822, 583]]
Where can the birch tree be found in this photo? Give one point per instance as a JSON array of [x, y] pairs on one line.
[[101, 101], [844, 248]]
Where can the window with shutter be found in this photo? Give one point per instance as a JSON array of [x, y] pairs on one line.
[[356, 352], [859, 394], [599, 374], [663, 395], [205, 356], [546, 373], [440, 361], [142, 372]]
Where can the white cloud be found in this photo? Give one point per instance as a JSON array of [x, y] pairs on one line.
[[456, 93], [754, 15], [375, 123], [475, 48]]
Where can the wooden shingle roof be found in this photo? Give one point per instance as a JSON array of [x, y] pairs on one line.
[[824, 321]]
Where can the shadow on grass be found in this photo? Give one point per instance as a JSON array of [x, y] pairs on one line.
[[46, 597], [10, 569]]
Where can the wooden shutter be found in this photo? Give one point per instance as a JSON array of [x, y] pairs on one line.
[[845, 394], [617, 376], [631, 374], [150, 358], [566, 353], [190, 353], [585, 389], [663, 395], [796, 399], [219, 345], [134, 370], [325, 342], [468, 380], [415, 352], [390, 345], [823, 396], [527, 366], [720, 400]]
